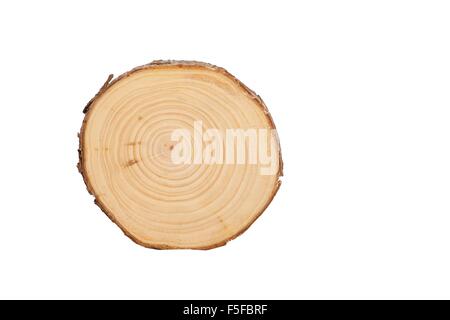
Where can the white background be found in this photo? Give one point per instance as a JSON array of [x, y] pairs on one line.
[[359, 91]]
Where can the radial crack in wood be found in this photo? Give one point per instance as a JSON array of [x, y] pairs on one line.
[[160, 152]]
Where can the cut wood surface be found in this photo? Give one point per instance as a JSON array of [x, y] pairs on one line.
[[126, 145]]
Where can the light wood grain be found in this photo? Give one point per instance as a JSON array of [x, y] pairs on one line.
[[125, 156]]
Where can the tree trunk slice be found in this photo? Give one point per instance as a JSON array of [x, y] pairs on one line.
[[125, 148]]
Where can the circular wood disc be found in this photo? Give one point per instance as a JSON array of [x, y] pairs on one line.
[[126, 142]]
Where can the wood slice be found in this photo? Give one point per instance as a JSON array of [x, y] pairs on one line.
[[127, 150]]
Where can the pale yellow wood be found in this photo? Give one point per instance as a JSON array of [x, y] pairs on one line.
[[125, 156]]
